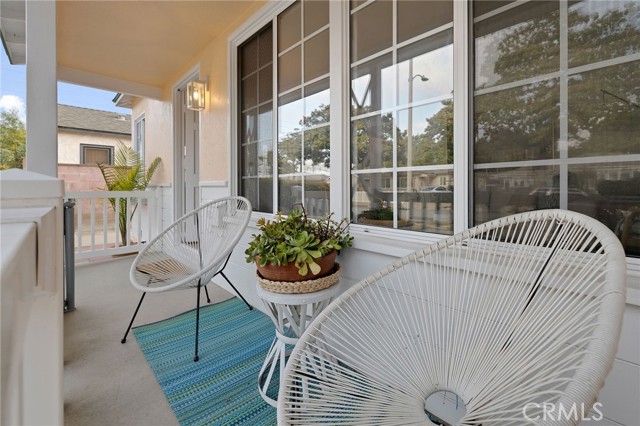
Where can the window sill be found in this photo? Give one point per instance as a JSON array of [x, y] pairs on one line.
[[399, 243]]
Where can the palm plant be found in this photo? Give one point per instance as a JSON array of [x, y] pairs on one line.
[[127, 173]]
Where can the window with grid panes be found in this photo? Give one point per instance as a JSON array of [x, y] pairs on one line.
[[402, 114], [557, 111], [255, 84], [554, 110], [300, 166]]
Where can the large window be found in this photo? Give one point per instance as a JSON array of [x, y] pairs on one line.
[[255, 84], [299, 174], [402, 115], [557, 111], [303, 107], [546, 96]]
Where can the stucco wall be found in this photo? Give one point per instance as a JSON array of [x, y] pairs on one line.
[[69, 143], [158, 136], [214, 120]]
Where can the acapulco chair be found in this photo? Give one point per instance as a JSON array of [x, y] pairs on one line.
[[510, 315], [190, 252]]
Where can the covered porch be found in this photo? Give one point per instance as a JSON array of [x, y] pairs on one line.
[[149, 51]]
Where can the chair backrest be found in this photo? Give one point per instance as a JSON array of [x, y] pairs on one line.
[[509, 315], [193, 248]]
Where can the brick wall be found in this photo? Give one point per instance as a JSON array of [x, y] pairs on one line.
[[80, 177]]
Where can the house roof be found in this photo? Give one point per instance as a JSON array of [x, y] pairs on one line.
[[71, 117]]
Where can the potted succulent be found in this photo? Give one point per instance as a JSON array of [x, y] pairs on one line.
[[297, 248]]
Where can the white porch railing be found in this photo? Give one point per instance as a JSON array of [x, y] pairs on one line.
[[97, 221]]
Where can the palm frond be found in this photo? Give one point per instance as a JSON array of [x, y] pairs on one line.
[[126, 174]]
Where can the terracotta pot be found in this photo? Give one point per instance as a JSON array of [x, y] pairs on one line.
[[289, 272]]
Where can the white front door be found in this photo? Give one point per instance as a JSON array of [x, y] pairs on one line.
[[187, 173]]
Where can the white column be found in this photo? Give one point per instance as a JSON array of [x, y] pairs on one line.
[[42, 92], [462, 144], [340, 197]]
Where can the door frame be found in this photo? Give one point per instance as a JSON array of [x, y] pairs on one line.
[[192, 74]]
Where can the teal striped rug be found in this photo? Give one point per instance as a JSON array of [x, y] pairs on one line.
[[222, 387]]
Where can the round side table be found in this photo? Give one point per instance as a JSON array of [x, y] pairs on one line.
[[291, 314]]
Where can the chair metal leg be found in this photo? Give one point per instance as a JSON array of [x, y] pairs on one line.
[[206, 292], [196, 357], [236, 290], [124, 339]]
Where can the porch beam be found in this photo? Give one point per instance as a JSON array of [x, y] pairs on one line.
[[104, 82], [42, 88]]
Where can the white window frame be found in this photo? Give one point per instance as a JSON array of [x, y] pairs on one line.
[[368, 237], [139, 141], [340, 82], [84, 146]]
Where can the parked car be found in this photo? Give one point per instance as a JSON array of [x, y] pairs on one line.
[[434, 189]]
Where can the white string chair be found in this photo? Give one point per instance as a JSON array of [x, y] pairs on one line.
[[191, 251], [519, 311]]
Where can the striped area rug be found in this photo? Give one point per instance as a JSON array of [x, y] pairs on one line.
[[222, 387]]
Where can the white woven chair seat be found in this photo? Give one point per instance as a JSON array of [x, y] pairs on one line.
[[525, 309], [193, 248], [190, 252]]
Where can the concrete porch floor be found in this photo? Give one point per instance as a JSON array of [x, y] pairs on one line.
[[107, 383]]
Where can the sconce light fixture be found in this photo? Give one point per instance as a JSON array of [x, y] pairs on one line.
[[196, 95]]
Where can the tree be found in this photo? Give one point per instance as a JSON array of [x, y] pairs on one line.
[[126, 174], [523, 123], [13, 136]]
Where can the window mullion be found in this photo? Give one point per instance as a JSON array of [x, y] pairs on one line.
[[275, 113], [564, 105], [462, 137], [339, 82], [394, 117]]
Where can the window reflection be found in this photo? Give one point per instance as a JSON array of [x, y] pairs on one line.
[[402, 118], [591, 136], [604, 111], [505, 191], [373, 86], [520, 43], [606, 191], [431, 58], [316, 104], [317, 151], [426, 136], [425, 201], [517, 124], [366, 41], [372, 142], [255, 123], [290, 114], [316, 56], [372, 198], [618, 24], [614, 189]]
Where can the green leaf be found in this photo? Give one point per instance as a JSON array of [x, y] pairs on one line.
[[315, 253], [315, 268], [303, 270]]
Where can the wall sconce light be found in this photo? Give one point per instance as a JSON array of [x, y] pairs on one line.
[[196, 95]]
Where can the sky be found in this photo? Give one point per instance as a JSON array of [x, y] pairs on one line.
[[13, 89]]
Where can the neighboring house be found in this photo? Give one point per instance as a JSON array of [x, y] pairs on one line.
[[88, 136]]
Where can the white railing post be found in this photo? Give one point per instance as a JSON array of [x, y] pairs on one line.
[[159, 211], [111, 238]]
